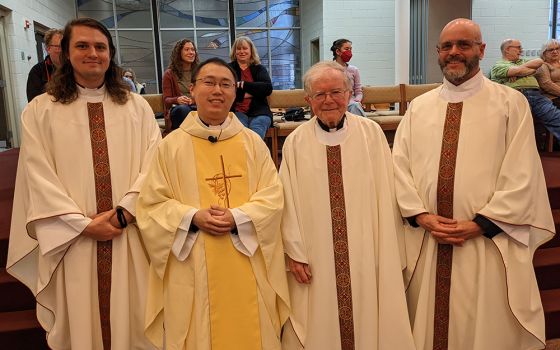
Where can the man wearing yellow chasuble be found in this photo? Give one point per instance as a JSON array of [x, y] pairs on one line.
[[209, 213]]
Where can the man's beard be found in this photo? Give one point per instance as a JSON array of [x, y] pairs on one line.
[[458, 75]]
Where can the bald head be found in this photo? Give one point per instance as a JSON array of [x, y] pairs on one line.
[[463, 25], [511, 49], [460, 50]]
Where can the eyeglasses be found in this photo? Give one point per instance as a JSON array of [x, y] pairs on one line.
[[462, 45], [337, 94], [211, 82], [552, 49]]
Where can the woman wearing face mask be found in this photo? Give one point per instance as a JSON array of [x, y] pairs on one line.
[[342, 54]]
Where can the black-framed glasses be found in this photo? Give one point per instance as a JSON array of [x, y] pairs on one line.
[[462, 45], [209, 82], [336, 94]]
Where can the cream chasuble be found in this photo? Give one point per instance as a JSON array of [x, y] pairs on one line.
[[373, 226], [494, 298], [56, 178], [217, 298]]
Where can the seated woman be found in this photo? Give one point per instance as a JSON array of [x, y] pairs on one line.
[[129, 73], [548, 75], [253, 87], [176, 83], [342, 54]]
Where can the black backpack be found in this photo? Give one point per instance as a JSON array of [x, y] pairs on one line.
[[294, 114]]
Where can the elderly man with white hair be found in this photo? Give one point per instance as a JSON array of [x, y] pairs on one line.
[[340, 227]]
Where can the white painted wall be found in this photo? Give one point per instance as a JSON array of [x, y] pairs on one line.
[[21, 41], [370, 25], [526, 20], [402, 41], [311, 19]]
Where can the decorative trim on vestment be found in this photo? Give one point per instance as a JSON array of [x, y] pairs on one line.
[[340, 245], [104, 199], [445, 188]]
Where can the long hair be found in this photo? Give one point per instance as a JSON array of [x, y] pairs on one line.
[[337, 45], [176, 62], [63, 86], [129, 70], [255, 59]]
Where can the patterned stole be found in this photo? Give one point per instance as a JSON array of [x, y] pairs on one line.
[[445, 187], [103, 195], [340, 244]]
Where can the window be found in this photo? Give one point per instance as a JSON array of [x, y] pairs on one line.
[[144, 41]]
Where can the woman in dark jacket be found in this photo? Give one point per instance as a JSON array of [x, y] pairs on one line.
[[253, 87], [177, 98]]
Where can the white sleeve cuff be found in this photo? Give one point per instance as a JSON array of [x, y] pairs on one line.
[[517, 232], [57, 233], [184, 240], [129, 202], [246, 239]]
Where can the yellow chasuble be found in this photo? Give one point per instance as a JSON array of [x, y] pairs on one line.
[[215, 297], [232, 291]]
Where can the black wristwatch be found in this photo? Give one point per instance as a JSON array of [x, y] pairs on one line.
[[121, 218]]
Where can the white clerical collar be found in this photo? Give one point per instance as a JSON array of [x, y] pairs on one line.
[[457, 93], [92, 95], [332, 137], [224, 125]]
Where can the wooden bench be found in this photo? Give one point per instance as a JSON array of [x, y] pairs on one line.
[[156, 102], [397, 96]]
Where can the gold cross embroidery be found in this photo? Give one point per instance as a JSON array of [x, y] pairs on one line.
[[222, 189]]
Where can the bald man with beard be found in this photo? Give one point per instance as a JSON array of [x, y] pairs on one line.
[[470, 183]]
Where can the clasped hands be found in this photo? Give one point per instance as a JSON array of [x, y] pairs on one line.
[[215, 220], [105, 225], [184, 100], [448, 231]]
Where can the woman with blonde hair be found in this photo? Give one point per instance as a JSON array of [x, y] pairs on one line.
[[548, 75], [253, 87], [177, 99]]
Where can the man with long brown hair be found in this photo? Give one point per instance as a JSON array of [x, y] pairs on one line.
[[86, 145]]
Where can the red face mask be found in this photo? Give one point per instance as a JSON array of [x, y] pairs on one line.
[[346, 56]]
